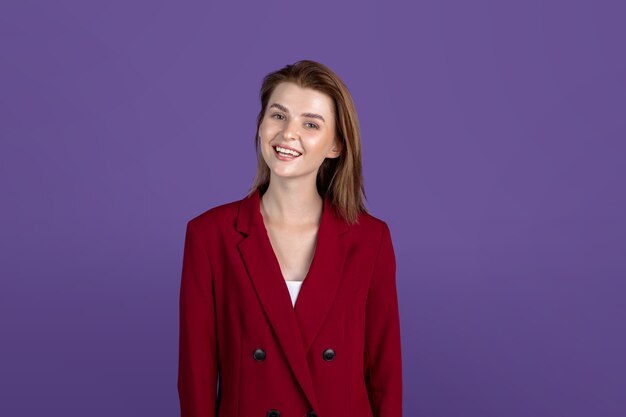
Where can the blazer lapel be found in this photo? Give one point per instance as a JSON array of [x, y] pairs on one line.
[[297, 328]]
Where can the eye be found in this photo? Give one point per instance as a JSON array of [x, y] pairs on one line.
[[281, 117]]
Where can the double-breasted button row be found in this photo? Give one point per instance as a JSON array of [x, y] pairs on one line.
[[259, 355]]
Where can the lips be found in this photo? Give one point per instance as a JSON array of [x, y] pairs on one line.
[[287, 147], [284, 157]]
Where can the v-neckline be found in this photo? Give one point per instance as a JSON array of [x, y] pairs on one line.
[[268, 241]]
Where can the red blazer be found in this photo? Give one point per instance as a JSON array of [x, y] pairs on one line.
[[335, 354]]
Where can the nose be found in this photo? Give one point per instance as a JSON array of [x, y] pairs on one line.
[[290, 131]]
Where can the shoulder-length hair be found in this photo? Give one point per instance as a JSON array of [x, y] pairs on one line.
[[341, 178]]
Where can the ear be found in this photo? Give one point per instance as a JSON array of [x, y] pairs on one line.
[[336, 150]]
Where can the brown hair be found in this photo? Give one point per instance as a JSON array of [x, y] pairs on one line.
[[340, 178]]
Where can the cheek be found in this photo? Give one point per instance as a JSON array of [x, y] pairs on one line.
[[266, 131], [319, 145]]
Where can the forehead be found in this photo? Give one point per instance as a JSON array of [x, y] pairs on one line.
[[302, 100]]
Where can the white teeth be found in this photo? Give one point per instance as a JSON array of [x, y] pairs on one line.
[[286, 151]]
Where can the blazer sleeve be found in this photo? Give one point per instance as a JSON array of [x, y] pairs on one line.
[[383, 357], [197, 362]]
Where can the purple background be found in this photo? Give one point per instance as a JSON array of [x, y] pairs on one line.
[[493, 136]]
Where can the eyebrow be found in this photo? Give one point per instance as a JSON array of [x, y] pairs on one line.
[[311, 115]]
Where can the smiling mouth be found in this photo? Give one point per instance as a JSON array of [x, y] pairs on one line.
[[285, 155]]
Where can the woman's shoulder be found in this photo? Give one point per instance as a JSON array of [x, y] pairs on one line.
[[369, 228], [217, 214], [369, 220]]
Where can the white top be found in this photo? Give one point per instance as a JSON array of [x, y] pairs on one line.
[[294, 289]]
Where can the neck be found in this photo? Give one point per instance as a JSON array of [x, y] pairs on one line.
[[291, 205]]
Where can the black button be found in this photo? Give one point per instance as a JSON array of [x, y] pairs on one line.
[[311, 414], [259, 354], [273, 413], [329, 355]]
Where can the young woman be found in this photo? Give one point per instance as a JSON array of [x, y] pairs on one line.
[[288, 301]]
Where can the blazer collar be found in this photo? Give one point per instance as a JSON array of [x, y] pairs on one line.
[[297, 328]]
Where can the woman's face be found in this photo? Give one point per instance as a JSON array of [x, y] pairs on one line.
[[303, 120]]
